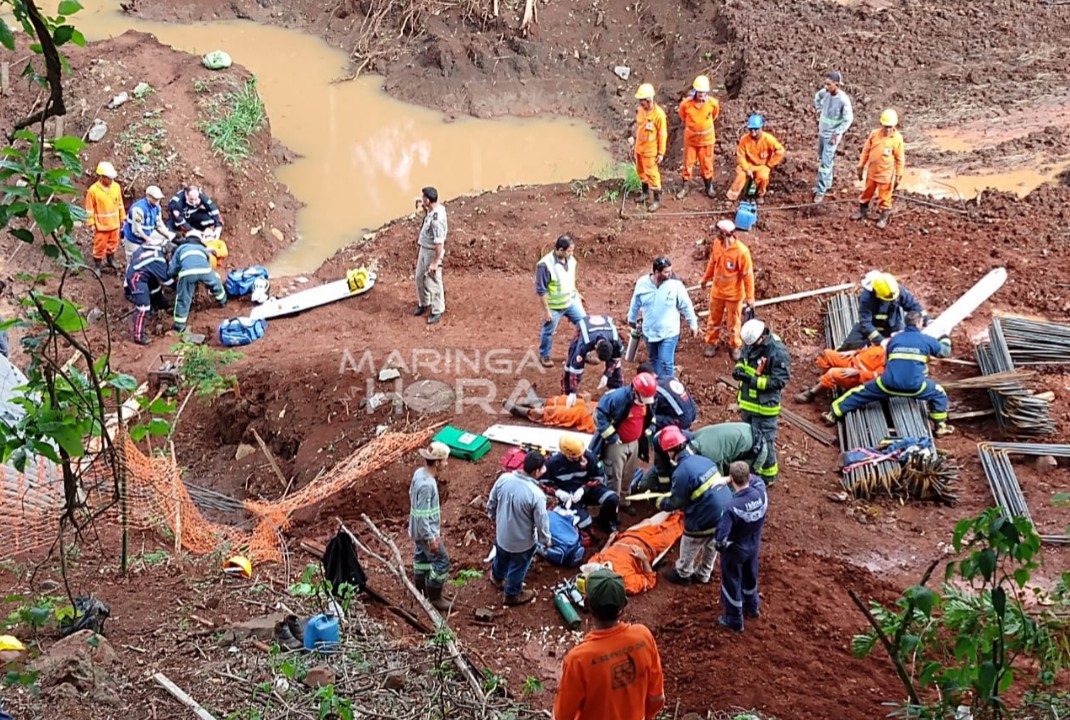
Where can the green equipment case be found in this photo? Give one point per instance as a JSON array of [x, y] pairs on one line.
[[462, 444]]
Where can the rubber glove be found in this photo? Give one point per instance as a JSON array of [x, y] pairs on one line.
[[570, 400], [603, 382], [563, 497], [577, 495]]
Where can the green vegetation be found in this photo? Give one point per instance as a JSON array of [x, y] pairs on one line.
[[234, 117], [201, 366]]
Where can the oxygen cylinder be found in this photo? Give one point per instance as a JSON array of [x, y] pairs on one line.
[[633, 346], [568, 613]]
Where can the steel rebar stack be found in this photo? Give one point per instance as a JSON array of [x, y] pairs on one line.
[[1004, 483], [1034, 342], [1019, 412]]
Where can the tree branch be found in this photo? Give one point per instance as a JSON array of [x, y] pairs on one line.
[[53, 72]]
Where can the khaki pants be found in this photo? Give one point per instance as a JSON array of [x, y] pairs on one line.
[[696, 549], [429, 291], [620, 463]]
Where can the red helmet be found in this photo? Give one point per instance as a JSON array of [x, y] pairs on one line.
[[671, 438], [645, 386]]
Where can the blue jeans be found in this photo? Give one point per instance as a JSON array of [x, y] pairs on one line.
[[662, 354], [573, 312], [826, 154], [512, 568]]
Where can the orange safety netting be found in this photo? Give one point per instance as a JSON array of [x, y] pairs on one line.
[[158, 500]]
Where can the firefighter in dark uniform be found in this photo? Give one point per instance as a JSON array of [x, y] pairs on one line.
[[190, 209], [762, 371], [146, 276], [673, 404], [882, 309], [596, 341]]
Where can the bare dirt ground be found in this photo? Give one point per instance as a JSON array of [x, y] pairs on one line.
[[945, 63]]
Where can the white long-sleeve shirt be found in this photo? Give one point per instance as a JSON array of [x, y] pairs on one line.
[[661, 307]]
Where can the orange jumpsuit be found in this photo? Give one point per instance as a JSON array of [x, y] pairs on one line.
[[758, 157], [868, 364], [732, 272], [652, 539], [884, 161], [554, 413], [699, 135], [651, 137], [104, 206]]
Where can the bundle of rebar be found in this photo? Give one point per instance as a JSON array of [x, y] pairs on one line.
[[1019, 412], [868, 426], [1004, 484], [1001, 381], [1034, 342]]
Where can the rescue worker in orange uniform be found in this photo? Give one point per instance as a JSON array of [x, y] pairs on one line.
[[882, 162], [756, 156], [845, 370], [105, 215], [698, 111], [573, 412], [731, 274], [651, 138]]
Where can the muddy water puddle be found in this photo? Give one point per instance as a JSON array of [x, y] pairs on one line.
[[947, 183], [363, 155]]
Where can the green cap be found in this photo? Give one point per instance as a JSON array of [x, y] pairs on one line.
[[605, 591]]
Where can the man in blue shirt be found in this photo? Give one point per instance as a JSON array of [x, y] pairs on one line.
[[660, 298], [739, 538]]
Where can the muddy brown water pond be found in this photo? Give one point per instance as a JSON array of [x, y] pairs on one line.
[[364, 156]]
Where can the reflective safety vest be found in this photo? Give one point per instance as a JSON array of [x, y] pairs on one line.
[[150, 216], [104, 207], [767, 369], [561, 290]]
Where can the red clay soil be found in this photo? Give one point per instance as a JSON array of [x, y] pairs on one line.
[[299, 392]]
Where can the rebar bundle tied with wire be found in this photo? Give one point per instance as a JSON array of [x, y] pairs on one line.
[[1034, 342], [1004, 484], [1019, 412], [867, 427]]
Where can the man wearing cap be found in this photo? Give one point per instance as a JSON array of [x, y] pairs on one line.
[[575, 477], [518, 507], [145, 220], [651, 138], [105, 215], [430, 563], [730, 277], [659, 299], [739, 539], [147, 274], [431, 242], [615, 672], [698, 112], [835, 115]]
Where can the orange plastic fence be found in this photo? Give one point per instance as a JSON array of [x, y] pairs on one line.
[[158, 500]]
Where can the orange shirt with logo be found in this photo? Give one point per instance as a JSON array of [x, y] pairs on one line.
[[651, 131], [766, 150], [884, 157], [698, 121], [732, 272]]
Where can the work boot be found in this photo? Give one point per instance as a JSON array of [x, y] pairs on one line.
[[515, 410], [724, 622], [806, 396], [860, 214], [676, 578], [98, 266], [296, 627], [752, 613], [737, 353], [523, 598], [420, 581], [943, 429], [829, 419], [628, 509], [883, 221], [710, 351], [684, 190], [642, 197], [652, 207], [819, 198], [499, 584], [546, 362], [143, 341], [420, 310], [110, 262], [433, 318], [434, 594], [710, 192], [285, 638]]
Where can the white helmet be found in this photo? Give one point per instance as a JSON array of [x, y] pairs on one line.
[[868, 278], [260, 291], [751, 331]]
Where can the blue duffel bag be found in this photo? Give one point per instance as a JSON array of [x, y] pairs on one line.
[[240, 282], [241, 331], [566, 548]]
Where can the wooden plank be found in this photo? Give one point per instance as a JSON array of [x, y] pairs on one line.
[[180, 695], [271, 459]]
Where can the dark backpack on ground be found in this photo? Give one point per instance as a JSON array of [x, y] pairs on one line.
[[241, 331], [240, 282], [567, 547], [340, 563]]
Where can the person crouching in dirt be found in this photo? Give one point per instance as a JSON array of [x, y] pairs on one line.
[[739, 539], [430, 564], [616, 671], [190, 266], [190, 209], [147, 274], [700, 491], [575, 477]]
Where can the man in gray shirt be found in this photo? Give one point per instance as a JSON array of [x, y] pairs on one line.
[[431, 563], [835, 116], [432, 250], [518, 507]]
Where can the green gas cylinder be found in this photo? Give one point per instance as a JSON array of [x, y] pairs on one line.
[[564, 607]]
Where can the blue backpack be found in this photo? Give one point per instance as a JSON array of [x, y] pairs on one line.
[[240, 282], [241, 331], [566, 549]]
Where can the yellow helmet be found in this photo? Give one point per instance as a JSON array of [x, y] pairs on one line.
[[572, 446], [886, 287], [238, 565], [889, 118], [701, 84], [10, 642], [106, 169], [645, 92]]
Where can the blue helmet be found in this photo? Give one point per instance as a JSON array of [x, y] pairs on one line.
[[755, 122]]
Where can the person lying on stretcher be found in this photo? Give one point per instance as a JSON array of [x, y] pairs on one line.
[[634, 552], [557, 411]]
